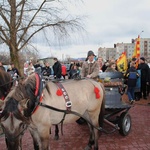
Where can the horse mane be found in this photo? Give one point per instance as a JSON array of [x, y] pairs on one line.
[[26, 90], [5, 83]]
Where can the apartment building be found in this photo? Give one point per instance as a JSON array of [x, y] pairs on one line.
[[116, 51], [107, 53]]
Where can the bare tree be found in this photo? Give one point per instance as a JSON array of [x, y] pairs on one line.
[[21, 20]]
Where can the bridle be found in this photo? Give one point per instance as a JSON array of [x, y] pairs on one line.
[[13, 138]]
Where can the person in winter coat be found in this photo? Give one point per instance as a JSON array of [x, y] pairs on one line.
[[64, 71], [90, 68], [57, 69], [46, 71], [131, 76], [30, 69], [15, 70], [144, 76], [148, 84], [73, 72], [111, 67], [38, 67]]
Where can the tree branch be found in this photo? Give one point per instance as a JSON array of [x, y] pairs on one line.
[[31, 22]]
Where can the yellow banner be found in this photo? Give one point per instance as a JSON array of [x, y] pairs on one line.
[[122, 62]]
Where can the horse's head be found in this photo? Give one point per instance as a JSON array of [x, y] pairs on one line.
[[13, 121], [16, 112]]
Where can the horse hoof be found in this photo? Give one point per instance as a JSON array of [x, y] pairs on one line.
[[88, 147], [56, 138]]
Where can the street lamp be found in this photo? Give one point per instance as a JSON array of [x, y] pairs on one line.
[[141, 32]]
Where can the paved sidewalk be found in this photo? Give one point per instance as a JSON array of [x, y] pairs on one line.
[[76, 136]]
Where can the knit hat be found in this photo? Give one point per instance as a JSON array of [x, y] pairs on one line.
[[142, 58], [90, 53]]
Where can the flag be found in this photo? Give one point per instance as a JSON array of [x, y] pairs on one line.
[[122, 62], [136, 53]]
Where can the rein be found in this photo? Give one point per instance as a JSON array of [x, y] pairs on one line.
[[77, 114], [68, 112], [10, 81]]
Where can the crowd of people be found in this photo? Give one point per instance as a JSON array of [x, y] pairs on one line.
[[90, 68], [136, 77]]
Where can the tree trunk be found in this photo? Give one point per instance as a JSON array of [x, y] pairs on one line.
[[15, 59]]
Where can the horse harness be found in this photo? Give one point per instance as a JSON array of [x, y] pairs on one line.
[[40, 85], [65, 94], [68, 110]]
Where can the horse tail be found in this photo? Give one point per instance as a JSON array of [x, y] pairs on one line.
[[102, 111]]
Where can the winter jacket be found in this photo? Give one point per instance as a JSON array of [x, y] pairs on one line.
[[46, 71], [90, 69], [131, 76], [144, 72], [57, 69], [64, 70]]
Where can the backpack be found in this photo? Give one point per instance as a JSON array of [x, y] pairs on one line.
[[132, 75]]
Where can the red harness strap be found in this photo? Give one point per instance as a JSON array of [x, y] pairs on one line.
[[37, 88], [41, 98], [66, 97], [37, 84]]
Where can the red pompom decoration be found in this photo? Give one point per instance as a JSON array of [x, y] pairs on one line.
[[97, 95], [59, 92], [96, 89], [97, 92]]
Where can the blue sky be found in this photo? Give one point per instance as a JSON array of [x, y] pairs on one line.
[[107, 22]]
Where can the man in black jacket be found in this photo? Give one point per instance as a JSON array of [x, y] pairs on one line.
[[57, 69], [144, 76], [148, 84]]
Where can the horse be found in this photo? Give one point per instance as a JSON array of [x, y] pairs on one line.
[[37, 107]]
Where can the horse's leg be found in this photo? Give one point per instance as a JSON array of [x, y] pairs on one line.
[[6, 142], [91, 138], [56, 137], [94, 133], [44, 137], [102, 113], [40, 135], [36, 139], [41, 138]]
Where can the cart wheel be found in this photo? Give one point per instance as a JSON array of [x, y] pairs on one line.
[[124, 124]]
